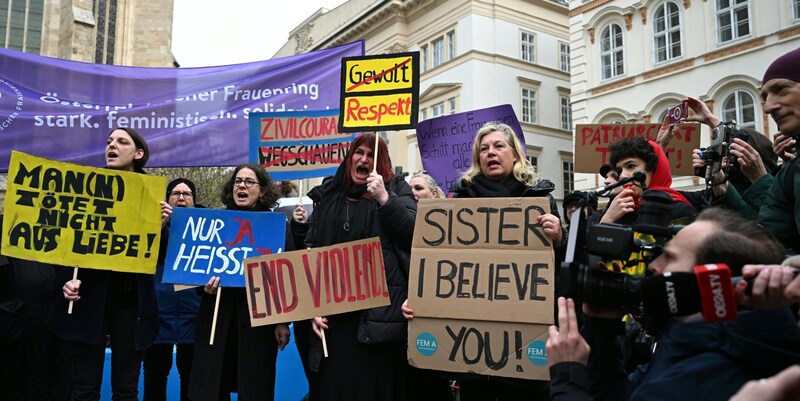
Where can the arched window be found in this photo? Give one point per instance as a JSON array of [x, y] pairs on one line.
[[739, 106], [667, 32], [612, 51]]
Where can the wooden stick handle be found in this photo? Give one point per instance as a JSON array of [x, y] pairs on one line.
[[375, 153], [74, 278], [214, 320], [324, 343]]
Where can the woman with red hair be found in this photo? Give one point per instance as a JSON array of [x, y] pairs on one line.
[[367, 349]]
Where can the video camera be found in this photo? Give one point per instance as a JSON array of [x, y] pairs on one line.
[[721, 139], [602, 287]]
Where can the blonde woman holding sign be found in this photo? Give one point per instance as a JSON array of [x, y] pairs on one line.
[[108, 304], [366, 349], [241, 358]]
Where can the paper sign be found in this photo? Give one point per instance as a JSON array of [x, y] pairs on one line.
[[73, 215], [379, 92], [445, 142], [316, 282], [205, 243], [301, 144], [481, 286], [592, 141]]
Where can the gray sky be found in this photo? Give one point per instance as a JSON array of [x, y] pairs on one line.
[[217, 32]]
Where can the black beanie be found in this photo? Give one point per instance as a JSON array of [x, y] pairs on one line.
[[786, 67], [174, 183]]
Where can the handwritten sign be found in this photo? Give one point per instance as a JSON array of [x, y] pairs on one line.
[[445, 142], [89, 217], [300, 144], [481, 286], [204, 243], [592, 142], [379, 92], [316, 282]]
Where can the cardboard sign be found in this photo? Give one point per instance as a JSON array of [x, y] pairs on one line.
[[445, 142], [74, 215], [379, 92], [299, 144], [592, 141], [481, 286], [204, 243], [316, 282]]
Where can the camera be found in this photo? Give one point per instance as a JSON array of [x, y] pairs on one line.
[[721, 139], [607, 288], [675, 114]]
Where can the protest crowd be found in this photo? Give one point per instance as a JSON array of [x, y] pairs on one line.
[[700, 301]]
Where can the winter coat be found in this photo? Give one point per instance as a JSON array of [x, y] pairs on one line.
[[694, 360]]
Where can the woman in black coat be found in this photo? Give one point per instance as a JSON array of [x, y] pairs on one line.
[[242, 358], [367, 349], [109, 303], [500, 169]]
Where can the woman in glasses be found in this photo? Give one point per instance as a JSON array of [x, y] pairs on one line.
[[242, 358]]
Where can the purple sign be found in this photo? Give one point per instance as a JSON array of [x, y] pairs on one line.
[[64, 110], [445, 142]]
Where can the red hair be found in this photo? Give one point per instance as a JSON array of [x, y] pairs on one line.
[[384, 165]]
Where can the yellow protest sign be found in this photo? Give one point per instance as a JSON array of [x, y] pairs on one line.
[[75, 215], [379, 92]]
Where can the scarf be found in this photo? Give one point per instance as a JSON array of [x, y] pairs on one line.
[[661, 177], [508, 187]]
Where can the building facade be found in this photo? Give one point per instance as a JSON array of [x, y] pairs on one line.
[[633, 59], [474, 54]]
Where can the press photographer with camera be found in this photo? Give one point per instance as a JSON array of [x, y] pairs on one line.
[[780, 97], [694, 359]]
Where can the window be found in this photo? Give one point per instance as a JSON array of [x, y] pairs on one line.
[[423, 114], [438, 52], [437, 109], [451, 45], [442, 49], [527, 47], [667, 27], [611, 52], [739, 106], [528, 106], [452, 103], [733, 19], [568, 168], [423, 52], [564, 52], [534, 160], [796, 9], [566, 113]]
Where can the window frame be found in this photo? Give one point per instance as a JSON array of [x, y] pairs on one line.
[[527, 49], [527, 110], [731, 13], [565, 125], [667, 33], [616, 54], [564, 62], [739, 108]]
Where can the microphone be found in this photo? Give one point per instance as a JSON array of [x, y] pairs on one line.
[[638, 176], [709, 290]]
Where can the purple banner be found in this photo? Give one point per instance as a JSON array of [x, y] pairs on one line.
[[64, 110], [445, 142]]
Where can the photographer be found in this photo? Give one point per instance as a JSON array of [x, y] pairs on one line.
[[780, 96], [694, 359]]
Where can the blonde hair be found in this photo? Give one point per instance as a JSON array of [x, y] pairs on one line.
[[522, 170], [431, 183]]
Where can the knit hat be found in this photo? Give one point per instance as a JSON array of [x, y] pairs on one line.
[[174, 183], [786, 67]]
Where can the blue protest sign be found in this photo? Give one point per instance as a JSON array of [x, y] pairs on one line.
[[205, 242]]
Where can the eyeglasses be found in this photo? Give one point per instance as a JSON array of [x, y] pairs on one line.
[[248, 182], [178, 194]]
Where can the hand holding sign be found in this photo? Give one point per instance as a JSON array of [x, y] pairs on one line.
[[377, 188]]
